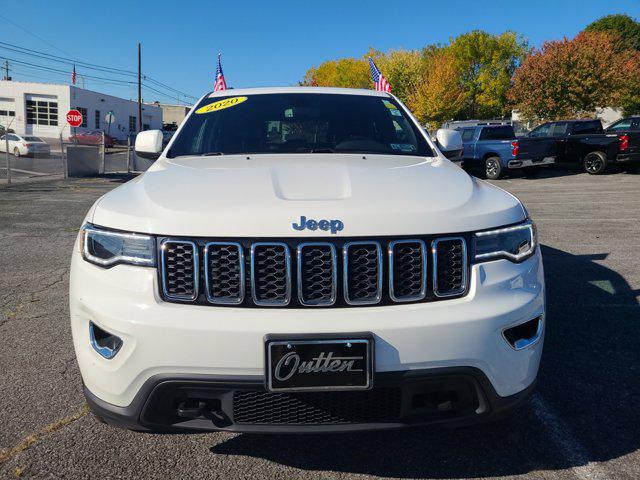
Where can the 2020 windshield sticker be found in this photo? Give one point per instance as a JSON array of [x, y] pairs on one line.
[[221, 105]]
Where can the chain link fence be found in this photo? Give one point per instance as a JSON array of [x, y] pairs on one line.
[[64, 158]]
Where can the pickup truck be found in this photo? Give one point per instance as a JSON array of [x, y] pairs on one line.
[[581, 142], [628, 132], [496, 149], [307, 260]]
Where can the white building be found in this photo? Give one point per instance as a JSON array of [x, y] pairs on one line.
[[40, 109]]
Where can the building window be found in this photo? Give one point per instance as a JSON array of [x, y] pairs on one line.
[[97, 119], [132, 123], [41, 112], [83, 112]]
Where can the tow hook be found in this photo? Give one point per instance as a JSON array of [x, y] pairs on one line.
[[217, 417]]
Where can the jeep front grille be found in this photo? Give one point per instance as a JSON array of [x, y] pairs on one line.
[[325, 273]]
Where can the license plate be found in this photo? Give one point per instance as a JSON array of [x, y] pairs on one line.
[[319, 364]]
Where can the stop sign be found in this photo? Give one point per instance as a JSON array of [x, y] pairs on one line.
[[74, 118]]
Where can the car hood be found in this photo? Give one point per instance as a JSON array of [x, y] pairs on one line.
[[263, 195]]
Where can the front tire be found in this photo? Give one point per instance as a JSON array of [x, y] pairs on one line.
[[16, 152], [492, 168], [595, 163]]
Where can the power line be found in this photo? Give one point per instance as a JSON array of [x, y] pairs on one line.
[[51, 69], [32, 34], [56, 58], [93, 66]]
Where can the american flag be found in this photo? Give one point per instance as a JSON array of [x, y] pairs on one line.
[[73, 75], [379, 82], [220, 84]]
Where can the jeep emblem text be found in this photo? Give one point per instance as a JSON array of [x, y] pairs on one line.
[[334, 225]]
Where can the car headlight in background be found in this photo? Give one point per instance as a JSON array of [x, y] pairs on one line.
[[515, 243], [106, 248]]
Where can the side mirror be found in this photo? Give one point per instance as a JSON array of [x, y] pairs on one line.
[[149, 144], [449, 142]]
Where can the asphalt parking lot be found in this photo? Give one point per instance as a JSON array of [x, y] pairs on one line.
[[583, 421]]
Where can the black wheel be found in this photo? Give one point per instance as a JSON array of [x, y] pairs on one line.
[[492, 168], [16, 152], [595, 163]]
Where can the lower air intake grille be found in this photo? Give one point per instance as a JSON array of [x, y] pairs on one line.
[[180, 269], [317, 408], [450, 269]]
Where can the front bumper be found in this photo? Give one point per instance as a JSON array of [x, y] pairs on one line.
[[454, 396], [184, 342]]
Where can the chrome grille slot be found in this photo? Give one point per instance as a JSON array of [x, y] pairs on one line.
[[270, 274], [449, 266], [407, 270], [317, 274], [179, 263], [362, 273], [224, 272]]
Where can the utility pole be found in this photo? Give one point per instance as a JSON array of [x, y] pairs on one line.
[[139, 87], [6, 70]]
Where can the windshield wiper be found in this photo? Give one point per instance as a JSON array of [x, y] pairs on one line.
[[212, 154]]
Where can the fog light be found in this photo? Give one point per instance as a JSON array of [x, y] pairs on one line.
[[524, 335], [105, 343]]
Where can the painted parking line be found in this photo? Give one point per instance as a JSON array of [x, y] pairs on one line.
[[568, 446]]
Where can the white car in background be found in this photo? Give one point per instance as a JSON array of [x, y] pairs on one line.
[[23, 145]]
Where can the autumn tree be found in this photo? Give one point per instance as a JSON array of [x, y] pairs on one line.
[[627, 32], [570, 78], [344, 72], [439, 96]]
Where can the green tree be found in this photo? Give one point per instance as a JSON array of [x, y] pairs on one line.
[[570, 78], [623, 25], [486, 63]]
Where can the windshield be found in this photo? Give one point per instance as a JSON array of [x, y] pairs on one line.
[[299, 123], [32, 139]]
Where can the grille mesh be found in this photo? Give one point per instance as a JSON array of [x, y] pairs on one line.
[[225, 272], [317, 274], [408, 270], [271, 276], [316, 408], [363, 272], [180, 269], [450, 274]]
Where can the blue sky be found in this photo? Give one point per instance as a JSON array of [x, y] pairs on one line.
[[262, 43]]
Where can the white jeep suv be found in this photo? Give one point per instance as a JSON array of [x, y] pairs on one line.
[[304, 260]]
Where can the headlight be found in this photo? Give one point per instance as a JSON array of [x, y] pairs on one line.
[[107, 248], [515, 243]]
